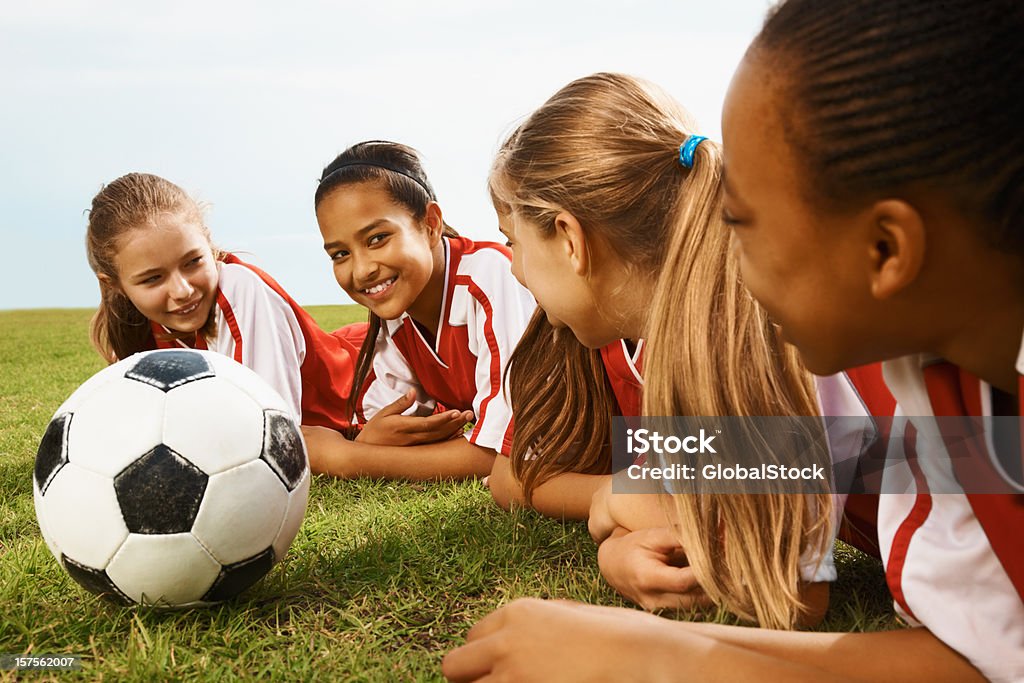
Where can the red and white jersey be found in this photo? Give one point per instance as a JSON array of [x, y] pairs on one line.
[[624, 374], [483, 314], [261, 327], [954, 561]]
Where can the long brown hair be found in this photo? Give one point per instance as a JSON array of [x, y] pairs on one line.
[[397, 169], [605, 148], [131, 202], [563, 406]]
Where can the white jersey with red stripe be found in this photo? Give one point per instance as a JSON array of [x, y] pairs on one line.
[[483, 314], [941, 561], [261, 327]]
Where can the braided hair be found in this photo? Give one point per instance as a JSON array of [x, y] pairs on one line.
[[907, 94]]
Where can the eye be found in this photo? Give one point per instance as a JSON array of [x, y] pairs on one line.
[[339, 255], [377, 238], [151, 280], [192, 263], [730, 220]]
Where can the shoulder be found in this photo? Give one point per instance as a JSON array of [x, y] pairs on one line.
[[468, 247], [241, 283], [481, 285], [485, 265]]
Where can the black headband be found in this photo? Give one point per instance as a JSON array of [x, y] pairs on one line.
[[386, 168]]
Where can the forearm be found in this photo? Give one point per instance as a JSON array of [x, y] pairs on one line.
[[567, 495], [453, 459], [633, 511], [901, 655], [564, 496]]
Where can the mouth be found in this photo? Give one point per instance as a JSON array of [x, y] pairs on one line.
[[187, 308], [379, 289]]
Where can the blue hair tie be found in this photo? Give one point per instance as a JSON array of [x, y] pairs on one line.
[[687, 149]]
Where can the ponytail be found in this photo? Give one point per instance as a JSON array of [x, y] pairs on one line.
[[711, 350]]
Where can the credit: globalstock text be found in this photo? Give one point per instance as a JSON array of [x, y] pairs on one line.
[[719, 471], [641, 442]]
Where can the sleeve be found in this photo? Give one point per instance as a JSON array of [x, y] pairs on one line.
[[389, 379], [815, 568], [500, 310], [263, 324], [850, 431]]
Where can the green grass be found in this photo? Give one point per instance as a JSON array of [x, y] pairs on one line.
[[382, 579]]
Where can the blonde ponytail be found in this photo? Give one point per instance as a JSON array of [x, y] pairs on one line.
[[711, 350]]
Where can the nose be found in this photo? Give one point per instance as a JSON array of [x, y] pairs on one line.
[[364, 268], [180, 288]]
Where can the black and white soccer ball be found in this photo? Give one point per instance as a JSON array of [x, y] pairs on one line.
[[171, 478]]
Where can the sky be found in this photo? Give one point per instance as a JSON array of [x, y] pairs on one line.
[[242, 104]]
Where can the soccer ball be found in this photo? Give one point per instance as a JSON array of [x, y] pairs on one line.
[[171, 478]]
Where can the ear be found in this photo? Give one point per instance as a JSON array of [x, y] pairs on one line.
[[108, 282], [897, 248], [574, 242], [434, 222]]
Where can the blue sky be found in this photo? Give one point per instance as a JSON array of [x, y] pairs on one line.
[[242, 104]]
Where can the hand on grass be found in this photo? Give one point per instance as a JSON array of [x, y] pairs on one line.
[[556, 640], [390, 428], [645, 567]]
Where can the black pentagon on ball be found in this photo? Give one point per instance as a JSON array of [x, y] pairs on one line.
[[282, 448], [53, 451], [160, 492], [171, 368], [95, 581], [235, 578]]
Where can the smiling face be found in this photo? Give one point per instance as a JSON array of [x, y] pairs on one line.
[[167, 270], [810, 268], [383, 257]]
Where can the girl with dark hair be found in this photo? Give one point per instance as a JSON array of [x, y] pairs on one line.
[[445, 313]]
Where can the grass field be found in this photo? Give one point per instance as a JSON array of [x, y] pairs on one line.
[[382, 579]]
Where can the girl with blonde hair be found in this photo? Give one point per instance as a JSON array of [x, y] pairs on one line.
[[612, 206]]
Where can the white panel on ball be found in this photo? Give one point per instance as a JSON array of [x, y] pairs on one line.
[[118, 423], [293, 519], [81, 510], [251, 383], [85, 390], [228, 524], [213, 424], [44, 525], [163, 569]]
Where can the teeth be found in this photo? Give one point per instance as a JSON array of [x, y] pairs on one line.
[[379, 288], [188, 310]]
